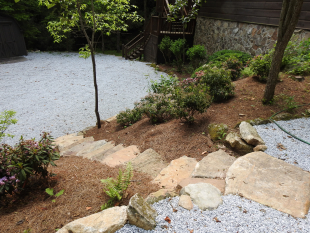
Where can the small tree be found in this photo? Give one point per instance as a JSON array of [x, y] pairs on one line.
[[94, 16], [288, 19]]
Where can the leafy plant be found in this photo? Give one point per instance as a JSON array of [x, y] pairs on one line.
[[129, 117], [51, 193], [260, 65], [165, 85], [177, 48], [217, 80], [115, 188], [235, 66], [27, 158], [289, 103], [246, 72], [224, 55], [6, 119], [222, 133], [196, 55], [164, 47]]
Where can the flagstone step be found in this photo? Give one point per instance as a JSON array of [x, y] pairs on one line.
[[79, 147], [66, 142], [92, 147], [93, 155], [120, 157]]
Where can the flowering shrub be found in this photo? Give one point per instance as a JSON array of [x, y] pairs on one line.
[[188, 82], [129, 117], [235, 66], [27, 158], [260, 65]]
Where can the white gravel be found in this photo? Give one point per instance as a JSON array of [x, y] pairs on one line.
[[54, 92]]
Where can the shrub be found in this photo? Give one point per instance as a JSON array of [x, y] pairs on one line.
[[217, 80], [191, 99], [6, 119], [235, 66], [165, 85], [129, 117], [223, 55], [27, 158], [260, 65], [164, 47], [246, 72], [302, 68], [158, 107], [177, 48], [196, 55], [115, 188]]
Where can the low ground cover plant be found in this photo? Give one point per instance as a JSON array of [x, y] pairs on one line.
[[224, 55], [27, 158]]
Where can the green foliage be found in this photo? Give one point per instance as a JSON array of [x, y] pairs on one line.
[[177, 48], [260, 65], [6, 119], [51, 193], [164, 47], [224, 55], [196, 55], [288, 102], [191, 98], [300, 68], [246, 72], [129, 117], [165, 84], [27, 158], [217, 80], [235, 66], [115, 188]]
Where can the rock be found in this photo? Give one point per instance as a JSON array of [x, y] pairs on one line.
[[177, 170], [83, 132], [186, 202], [270, 181], [206, 196], [149, 162], [283, 116], [216, 132], [64, 142], [140, 213], [105, 150], [299, 78], [160, 195], [260, 148], [220, 184], [113, 118], [109, 221], [214, 166], [121, 157], [238, 144], [92, 147], [249, 134], [258, 121], [77, 148]]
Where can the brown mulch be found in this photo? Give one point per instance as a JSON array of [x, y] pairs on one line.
[[80, 178]]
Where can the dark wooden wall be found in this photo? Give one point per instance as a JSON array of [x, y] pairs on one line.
[[256, 11]]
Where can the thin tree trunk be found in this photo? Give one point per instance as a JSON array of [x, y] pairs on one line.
[[145, 13], [102, 42], [289, 17], [90, 44], [118, 41]]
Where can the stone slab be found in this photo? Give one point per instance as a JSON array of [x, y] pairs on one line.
[[220, 184], [92, 147], [79, 147], [270, 181], [64, 142], [149, 162], [100, 151], [214, 165], [177, 170], [121, 157]]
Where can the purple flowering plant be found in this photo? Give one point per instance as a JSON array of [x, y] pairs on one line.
[[27, 158]]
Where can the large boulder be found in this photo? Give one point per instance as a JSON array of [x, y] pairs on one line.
[[249, 134], [205, 196], [177, 170], [214, 166], [270, 181], [107, 221], [238, 144], [140, 213]]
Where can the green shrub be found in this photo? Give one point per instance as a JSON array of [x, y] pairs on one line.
[[115, 188], [164, 47], [129, 117], [247, 72], [158, 107], [26, 159], [196, 55], [177, 48], [165, 85], [235, 66], [6, 119], [260, 65], [191, 99], [223, 55], [217, 80], [301, 68]]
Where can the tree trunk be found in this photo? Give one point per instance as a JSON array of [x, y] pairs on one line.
[[145, 13], [289, 17], [118, 42], [102, 42]]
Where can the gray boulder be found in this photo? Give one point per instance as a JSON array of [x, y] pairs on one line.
[[249, 134], [205, 196], [238, 144], [140, 213]]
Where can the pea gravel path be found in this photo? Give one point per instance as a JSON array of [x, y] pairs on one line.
[[54, 92]]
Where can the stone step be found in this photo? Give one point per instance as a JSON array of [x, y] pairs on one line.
[[107, 152], [149, 162], [77, 148], [92, 147], [177, 170], [66, 142], [120, 157], [100, 151]]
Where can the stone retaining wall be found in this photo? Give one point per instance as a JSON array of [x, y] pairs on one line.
[[255, 39]]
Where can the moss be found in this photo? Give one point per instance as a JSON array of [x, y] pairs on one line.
[[216, 132]]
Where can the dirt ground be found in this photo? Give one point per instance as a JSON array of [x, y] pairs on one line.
[[80, 178]]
